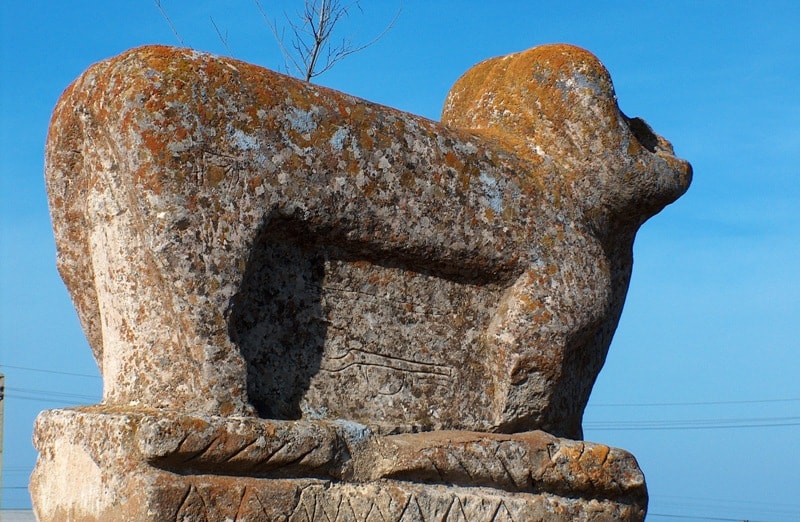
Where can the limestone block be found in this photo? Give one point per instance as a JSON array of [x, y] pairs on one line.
[[238, 242]]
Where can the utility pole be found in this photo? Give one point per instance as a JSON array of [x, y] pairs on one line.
[[2, 422]]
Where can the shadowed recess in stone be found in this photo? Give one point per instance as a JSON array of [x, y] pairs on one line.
[[292, 319], [277, 322]]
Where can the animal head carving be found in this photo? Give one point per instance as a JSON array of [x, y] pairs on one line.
[[557, 103]]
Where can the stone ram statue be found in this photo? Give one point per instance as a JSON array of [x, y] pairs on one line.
[[390, 301]]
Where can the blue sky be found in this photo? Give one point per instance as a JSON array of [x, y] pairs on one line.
[[702, 382]]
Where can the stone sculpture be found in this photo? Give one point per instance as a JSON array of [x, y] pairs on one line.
[[306, 306]]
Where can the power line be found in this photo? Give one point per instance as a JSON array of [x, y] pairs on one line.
[[48, 396], [770, 504], [68, 399], [50, 371], [722, 508], [695, 517], [600, 405], [665, 428], [55, 394], [42, 399], [693, 424], [699, 421], [705, 403]]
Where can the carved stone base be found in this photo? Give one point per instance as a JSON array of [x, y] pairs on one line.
[[107, 464]]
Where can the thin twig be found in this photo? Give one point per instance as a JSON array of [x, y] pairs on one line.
[[382, 34], [313, 52], [287, 56], [223, 39], [171, 26]]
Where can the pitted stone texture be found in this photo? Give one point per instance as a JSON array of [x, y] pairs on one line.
[[146, 465], [238, 242]]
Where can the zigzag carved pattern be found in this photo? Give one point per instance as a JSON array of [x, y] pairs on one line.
[[391, 505]]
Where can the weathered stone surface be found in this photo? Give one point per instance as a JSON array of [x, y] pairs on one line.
[[146, 465], [236, 240], [307, 305]]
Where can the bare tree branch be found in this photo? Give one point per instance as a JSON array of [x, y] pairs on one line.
[[314, 53], [288, 59], [223, 39], [381, 35], [164, 14]]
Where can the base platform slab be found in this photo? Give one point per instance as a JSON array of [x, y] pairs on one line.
[[106, 464]]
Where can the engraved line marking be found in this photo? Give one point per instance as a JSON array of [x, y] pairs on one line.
[[405, 508], [496, 511], [422, 514], [457, 499], [389, 392], [502, 462], [350, 365], [352, 509], [183, 441], [301, 457], [449, 508], [241, 450], [483, 468], [260, 504], [508, 511], [461, 465], [320, 506], [207, 158], [208, 152], [267, 461], [310, 516], [374, 505], [302, 502], [202, 452], [605, 458], [428, 311], [182, 502], [550, 448], [203, 502], [419, 508], [362, 358], [412, 361], [438, 471], [339, 507], [241, 504]]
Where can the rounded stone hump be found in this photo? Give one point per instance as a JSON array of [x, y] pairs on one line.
[[558, 95]]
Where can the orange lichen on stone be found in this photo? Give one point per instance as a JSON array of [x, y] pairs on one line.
[[558, 102]]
